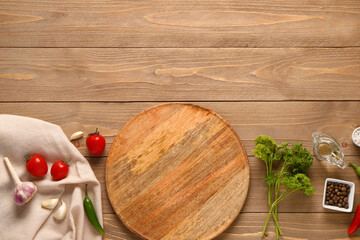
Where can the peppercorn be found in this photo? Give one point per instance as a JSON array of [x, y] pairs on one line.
[[337, 194]]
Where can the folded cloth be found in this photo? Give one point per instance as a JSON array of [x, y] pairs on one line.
[[20, 136]]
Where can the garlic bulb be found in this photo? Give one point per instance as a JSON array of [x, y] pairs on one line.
[[60, 214], [24, 191], [50, 203], [76, 135]]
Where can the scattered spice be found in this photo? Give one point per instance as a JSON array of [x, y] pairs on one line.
[[337, 194]]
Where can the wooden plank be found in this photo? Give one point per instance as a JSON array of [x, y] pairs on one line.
[[249, 226], [161, 23], [284, 121], [179, 74]]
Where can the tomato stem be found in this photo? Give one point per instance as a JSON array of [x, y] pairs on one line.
[[67, 162], [95, 133], [27, 157]]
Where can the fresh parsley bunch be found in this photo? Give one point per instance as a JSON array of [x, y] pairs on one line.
[[292, 175]]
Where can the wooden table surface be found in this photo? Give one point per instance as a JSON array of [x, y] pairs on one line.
[[278, 67]]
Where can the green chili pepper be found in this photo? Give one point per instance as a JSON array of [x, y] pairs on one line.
[[91, 214], [357, 168]]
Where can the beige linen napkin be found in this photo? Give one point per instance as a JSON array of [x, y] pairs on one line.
[[20, 136]]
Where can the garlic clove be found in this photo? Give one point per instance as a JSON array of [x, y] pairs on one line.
[[76, 135], [50, 203], [60, 214]]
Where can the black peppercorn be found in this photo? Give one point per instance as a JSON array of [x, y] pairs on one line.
[[337, 194]]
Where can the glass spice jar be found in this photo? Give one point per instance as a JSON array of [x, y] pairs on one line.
[[356, 136]]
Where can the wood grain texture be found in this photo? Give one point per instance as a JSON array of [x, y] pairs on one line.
[[161, 23], [177, 171], [296, 226], [285, 121], [87, 64], [179, 74], [256, 200]]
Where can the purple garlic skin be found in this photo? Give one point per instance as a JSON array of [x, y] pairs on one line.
[[24, 192]]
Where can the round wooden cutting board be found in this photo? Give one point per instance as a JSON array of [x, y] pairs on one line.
[[177, 171]]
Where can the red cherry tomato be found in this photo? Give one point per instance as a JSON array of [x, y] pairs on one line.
[[59, 170], [95, 143], [37, 166]]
